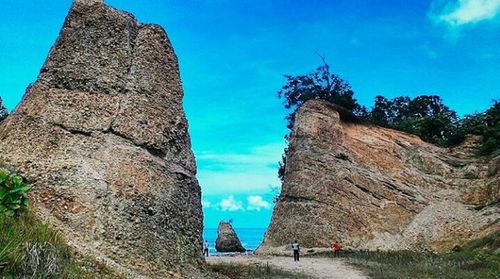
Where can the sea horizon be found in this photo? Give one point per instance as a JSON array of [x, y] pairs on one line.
[[250, 238]]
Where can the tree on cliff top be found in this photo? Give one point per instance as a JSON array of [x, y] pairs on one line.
[[319, 85]]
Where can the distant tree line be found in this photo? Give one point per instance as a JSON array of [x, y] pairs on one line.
[[425, 116]]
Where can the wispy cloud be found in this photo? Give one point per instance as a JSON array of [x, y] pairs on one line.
[[230, 204], [257, 203], [238, 203], [258, 155], [251, 171], [206, 204], [456, 13]]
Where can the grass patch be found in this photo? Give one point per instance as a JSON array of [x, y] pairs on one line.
[[477, 259], [31, 249], [239, 271]]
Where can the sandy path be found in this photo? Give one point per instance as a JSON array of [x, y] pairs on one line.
[[320, 268]]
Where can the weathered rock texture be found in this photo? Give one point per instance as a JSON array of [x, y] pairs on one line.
[[371, 187], [227, 239], [103, 137]]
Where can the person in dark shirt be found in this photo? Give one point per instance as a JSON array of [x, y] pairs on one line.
[[205, 248], [296, 250]]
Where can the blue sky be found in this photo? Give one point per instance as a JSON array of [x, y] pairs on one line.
[[233, 55]]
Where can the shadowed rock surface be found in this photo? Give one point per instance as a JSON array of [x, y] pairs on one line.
[[227, 239], [103, 137], [376, 188]]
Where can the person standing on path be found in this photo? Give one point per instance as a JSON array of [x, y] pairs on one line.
[[205, 248], [296, 250], [336, 249]]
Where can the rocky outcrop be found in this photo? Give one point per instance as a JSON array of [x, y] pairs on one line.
[[227, 239], [376, 188], [103, 137]]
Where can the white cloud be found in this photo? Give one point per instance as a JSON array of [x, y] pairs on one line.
[[257, 203], [461, 12], [230, 204], [206, 204]]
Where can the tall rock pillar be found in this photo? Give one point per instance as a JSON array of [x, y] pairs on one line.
[[103, 137]]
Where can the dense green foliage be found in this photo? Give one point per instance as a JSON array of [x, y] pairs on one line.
[[12, 193], [31, 249], [424, 116], [3, 111], [487, 125], [431, 120]]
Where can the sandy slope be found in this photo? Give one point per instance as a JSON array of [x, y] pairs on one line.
[[314, 267]]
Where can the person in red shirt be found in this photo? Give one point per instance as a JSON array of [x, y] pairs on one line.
[[336, 249]]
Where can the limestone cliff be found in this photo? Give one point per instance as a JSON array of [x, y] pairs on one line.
[[376, 188], [103, 137]]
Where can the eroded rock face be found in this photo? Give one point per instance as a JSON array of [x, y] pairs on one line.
[[227, 239], [103, 137], [376, 188]]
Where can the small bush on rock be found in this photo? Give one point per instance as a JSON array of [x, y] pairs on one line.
[[13, 191]]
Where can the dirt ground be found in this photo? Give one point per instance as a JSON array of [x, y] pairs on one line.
[[321, 268]]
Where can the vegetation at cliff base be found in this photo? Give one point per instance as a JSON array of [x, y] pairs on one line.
[[13, 191], [31, 249], [477, 259]]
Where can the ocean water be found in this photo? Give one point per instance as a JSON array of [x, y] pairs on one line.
[[250, 237]]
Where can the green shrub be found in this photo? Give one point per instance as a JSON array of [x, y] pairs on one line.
[[32, 249], [12, 193], [476, 259], [491, 141]]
